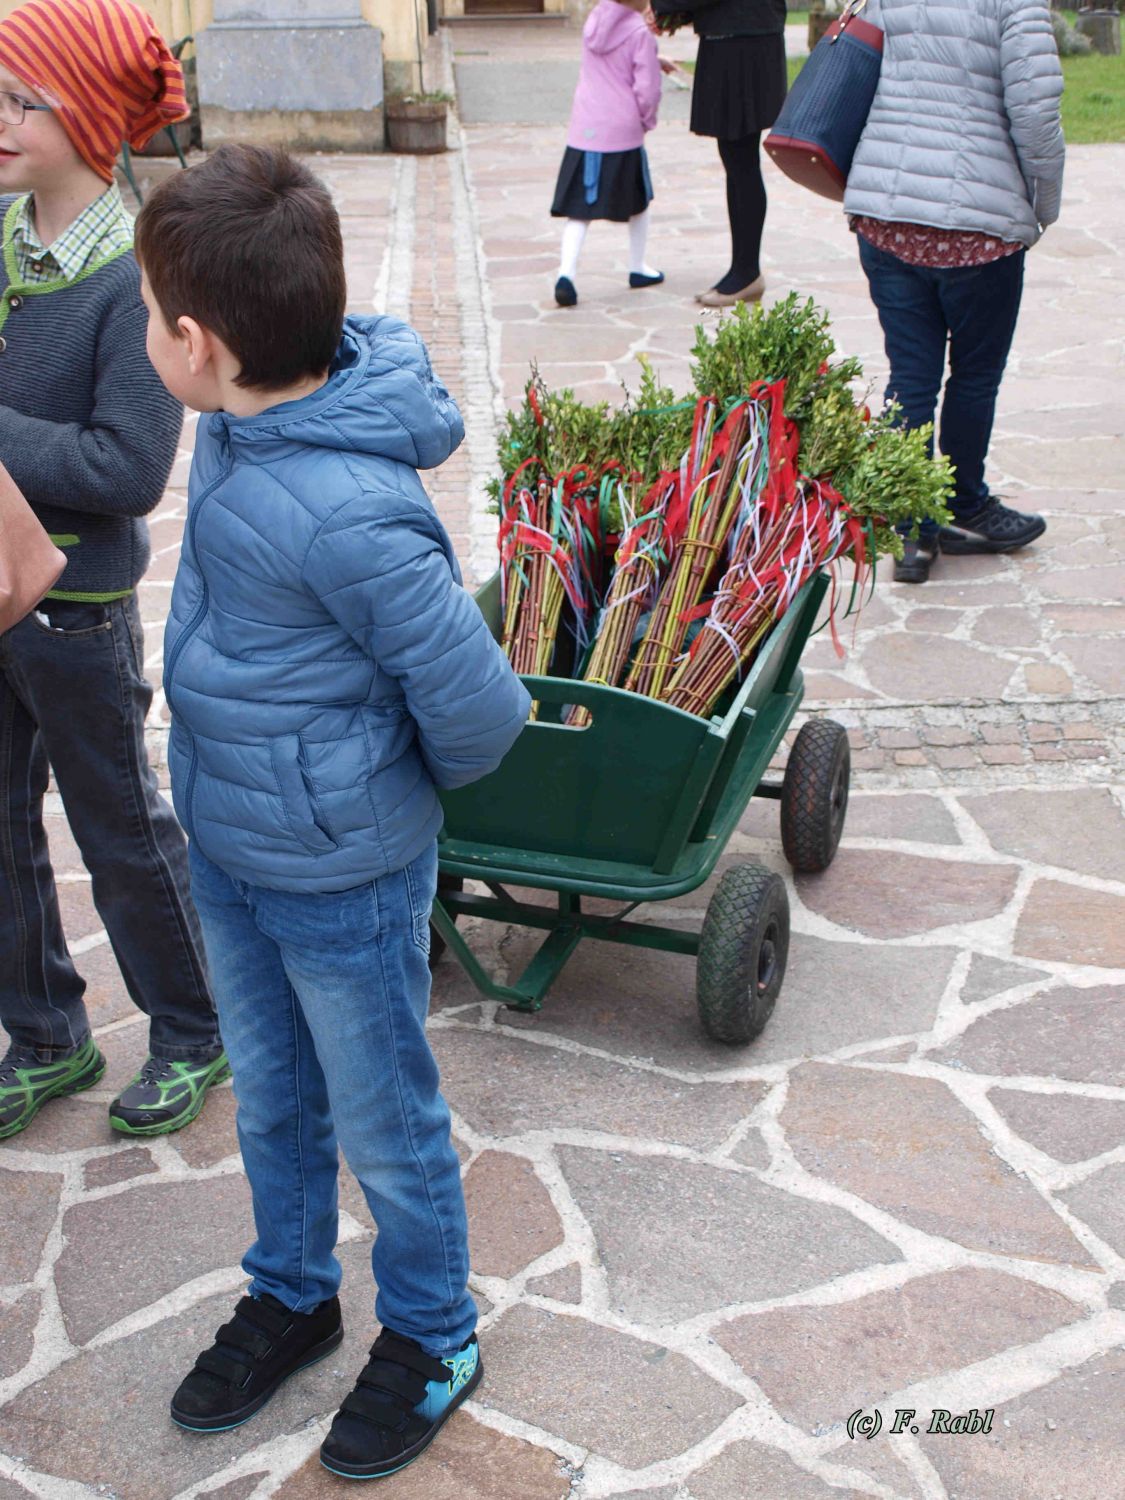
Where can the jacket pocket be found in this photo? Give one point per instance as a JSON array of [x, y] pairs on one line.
[[303, 811]]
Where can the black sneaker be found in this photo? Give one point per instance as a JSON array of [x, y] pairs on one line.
[[918, 557], [165, 1095], [399, 1403], [262, 1345], [995, 528], [26, 1083], [566, 294]]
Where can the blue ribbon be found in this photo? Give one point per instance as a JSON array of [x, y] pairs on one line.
[[592, 174]]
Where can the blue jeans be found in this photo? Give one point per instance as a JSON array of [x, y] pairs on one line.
[[73, 699], [973, 311], [322, 999]]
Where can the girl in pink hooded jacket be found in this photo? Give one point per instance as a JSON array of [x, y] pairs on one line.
[[604, 172]]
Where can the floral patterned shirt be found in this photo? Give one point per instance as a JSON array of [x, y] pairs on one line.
[[923, 245]]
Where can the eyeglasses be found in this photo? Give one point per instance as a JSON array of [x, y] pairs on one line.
[[13, 109]]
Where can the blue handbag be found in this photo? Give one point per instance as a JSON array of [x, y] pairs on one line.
[[815, 136]]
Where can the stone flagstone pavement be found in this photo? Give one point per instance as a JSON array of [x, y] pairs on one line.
[[694, 1264]]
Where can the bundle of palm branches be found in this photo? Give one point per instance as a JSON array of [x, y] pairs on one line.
[[778, 555], [717, 467], [549, 539], [640, 562]]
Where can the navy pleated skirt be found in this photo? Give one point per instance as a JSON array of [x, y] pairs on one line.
[[740, 85], [602, 185]]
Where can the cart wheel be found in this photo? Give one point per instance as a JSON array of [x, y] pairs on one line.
[[437, 942], [814, 795], [743, 949]]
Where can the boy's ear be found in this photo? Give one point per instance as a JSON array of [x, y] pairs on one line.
[[200, 344]]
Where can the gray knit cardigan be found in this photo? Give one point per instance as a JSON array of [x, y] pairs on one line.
[[87, 430], [964, 131]]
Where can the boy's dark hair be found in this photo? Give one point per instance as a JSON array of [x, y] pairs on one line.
[[248, 244]]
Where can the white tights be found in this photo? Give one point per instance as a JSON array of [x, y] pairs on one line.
[[574, 236]]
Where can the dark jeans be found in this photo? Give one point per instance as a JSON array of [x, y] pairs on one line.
[[973, 310], [73, 698]]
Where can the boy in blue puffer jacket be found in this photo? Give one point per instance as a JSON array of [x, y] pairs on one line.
[[326, 674]]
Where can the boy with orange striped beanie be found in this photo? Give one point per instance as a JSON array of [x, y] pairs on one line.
[[89, 434]]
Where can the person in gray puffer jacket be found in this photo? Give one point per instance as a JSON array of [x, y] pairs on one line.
[[958, 172]]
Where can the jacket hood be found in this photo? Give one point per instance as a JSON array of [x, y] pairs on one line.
[[608, 25], [381, 398]]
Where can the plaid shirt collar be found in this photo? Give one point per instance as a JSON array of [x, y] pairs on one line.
[[99, 230]]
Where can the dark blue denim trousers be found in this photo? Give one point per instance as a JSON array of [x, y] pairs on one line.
[[73, 699], [322, 998], [972, 312]]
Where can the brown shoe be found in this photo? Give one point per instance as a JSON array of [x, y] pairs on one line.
[[751, 293]]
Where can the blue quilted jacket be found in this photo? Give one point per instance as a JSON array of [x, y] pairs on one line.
[[325, 670]]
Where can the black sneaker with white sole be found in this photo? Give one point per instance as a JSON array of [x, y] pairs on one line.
[[994, 528], [262, 1345]]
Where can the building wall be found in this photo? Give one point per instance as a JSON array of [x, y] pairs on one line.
[[456, 8], [174, 17], [404, 26], [402, 22]]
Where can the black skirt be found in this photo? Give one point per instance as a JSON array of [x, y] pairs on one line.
[[616, 186], [740, 85]]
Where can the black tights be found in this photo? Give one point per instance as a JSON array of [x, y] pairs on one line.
[[746, 208]]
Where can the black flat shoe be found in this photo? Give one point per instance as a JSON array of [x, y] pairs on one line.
[[638, 278], [565, 293], [262, 1345]]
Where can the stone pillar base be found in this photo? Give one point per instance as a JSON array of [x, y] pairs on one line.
[[296, 130], [305, 85], [1103, 27]]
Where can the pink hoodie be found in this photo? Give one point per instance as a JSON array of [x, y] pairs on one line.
[[618, 93]]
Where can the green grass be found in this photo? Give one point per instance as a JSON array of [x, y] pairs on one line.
[[1093, 105]]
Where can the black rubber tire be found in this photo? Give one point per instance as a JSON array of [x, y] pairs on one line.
[[814, 795], [743, 950], [437, 942]]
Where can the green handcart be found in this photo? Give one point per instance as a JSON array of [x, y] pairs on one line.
[[637, 807]]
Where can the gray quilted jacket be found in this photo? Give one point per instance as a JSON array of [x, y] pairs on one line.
[[964, 131]]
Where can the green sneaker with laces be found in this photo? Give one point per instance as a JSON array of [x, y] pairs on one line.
[[165, 1095], [26, 1083]]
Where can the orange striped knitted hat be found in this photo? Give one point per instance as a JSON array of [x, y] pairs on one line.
[[102, 66]]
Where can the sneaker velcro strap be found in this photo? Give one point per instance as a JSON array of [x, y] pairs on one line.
[[380, 1409], [403, 1352], [240, 1337], [226, 1365], [273, 1322], [378, 1376]]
